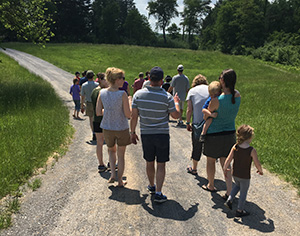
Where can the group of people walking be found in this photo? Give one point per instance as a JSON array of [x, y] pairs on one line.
[[219, 102]]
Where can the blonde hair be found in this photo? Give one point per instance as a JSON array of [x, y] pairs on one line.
[[113, 73], [244, 132], [199, 79], [214, 88]]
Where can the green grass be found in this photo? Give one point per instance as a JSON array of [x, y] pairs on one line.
[[33, 124], [270, 95]]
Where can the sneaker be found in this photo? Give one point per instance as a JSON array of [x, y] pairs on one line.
[[228, 204], [101, 168], [151, 189], [202, 138], [241, 213], [160, 198]]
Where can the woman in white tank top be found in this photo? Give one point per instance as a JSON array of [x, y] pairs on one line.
[[113, 104]]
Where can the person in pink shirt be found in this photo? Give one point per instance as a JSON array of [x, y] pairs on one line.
[[139, 82]]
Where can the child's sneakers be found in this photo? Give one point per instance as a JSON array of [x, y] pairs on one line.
[[101, 168], [151, 189], [241, 213], [160, 198], [228, 204]]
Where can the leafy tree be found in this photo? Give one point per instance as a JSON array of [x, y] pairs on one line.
[[163, 11], [137, 29], [173, 30], [28, 19], [72, 20], [193, 12]]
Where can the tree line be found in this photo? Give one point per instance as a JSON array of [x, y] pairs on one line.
[[253, 27]]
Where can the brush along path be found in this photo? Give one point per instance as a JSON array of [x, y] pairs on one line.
[[75, 200]]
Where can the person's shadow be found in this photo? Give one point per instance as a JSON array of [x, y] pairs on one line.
[[170, 210], [256, 220], [126, 195]]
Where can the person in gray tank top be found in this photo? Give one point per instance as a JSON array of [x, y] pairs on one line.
[[113, 104]]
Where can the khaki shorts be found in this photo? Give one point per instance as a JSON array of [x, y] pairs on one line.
[[112, 137], [89, 109]]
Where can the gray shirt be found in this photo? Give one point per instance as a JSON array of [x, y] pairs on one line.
[[154, 105], [87, 89], [180, 84], [198, 95], [113, 117]]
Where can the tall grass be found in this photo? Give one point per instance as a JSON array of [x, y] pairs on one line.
[[33, 124], [270, 96]]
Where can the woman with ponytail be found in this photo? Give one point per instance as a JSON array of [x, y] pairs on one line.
[[220, 136]]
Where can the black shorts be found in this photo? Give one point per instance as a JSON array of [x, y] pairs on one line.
[[156, 145], [217, 146], [96, 127]]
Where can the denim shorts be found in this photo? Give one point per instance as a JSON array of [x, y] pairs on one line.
[[156, 145], [77, 105]]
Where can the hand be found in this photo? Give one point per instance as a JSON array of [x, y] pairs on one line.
[[176, 98], [189, 127], [226, 171], [259, 172], [214, 114], [134, 138]]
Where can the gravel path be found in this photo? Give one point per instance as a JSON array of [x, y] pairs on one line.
[[75, 200]]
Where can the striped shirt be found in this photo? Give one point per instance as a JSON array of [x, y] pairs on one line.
[[154, 105]]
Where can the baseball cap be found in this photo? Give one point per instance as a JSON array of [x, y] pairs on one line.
[[157, 72], [89, 74], [180, 67]]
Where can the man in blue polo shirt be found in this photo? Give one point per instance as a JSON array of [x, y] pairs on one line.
[[153, 104]]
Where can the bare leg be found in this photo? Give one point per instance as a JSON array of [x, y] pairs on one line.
[[150, 169], [195, 164], [160, 175], [99, 148], [112, 151], [210, 170], [228, 179], [121, 164], [91, 122]]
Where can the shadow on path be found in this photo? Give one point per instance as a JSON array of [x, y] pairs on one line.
[[170, 210], [256, 220], [127, 195]]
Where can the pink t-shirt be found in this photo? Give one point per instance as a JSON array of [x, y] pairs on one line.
[[138, 84]]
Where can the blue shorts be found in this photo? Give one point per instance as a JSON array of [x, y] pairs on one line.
[[156, 145], [77, 105]]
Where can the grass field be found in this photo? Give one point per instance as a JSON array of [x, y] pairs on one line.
[[270, 95], [33, 124]]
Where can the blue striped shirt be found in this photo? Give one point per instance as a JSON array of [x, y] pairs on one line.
[[154, 105]]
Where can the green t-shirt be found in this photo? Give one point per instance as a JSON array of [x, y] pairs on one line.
[[94, 98]]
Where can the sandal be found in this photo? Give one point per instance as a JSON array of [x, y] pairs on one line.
[[225, 196], [101, 168], [191, 171]]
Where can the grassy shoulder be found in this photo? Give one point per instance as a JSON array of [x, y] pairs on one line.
[[33, 124], [269, 94]]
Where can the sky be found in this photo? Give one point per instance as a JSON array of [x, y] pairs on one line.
[[142, 5]]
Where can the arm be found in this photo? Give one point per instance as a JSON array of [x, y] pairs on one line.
[[128, 90], [228, 160], [99, 106], [207, 113], [256, 162], [126, 107], [170, 89], [189, 112], [176, 114], [133, 123], [82, 103]]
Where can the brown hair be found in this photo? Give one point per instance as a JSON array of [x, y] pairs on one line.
[[244, 132], [229, 77], [199, 79], [100, 75], [112, 74]]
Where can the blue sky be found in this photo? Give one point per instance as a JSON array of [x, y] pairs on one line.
[[142, 5]]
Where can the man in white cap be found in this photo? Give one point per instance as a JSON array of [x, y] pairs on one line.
[[180, 84]]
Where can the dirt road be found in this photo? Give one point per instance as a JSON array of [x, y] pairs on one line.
[[75, 200]]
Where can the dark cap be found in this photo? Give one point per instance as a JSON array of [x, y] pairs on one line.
[[89, 74], [77, 73], [157, 72]]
